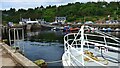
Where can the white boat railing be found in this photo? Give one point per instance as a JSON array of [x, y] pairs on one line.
[[70, 56], [78, 40], [88, 39]]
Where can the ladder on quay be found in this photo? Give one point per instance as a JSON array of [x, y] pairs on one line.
[[17, 38]]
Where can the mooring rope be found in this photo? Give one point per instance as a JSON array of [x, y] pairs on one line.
[[57, 61]]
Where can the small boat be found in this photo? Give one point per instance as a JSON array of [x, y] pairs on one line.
[[69, 29], [109, 29], [117, 30], [55, 29], [74, 29], [90, 49], [104, 29]]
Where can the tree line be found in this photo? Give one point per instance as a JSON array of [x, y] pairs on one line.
[[74, 12]]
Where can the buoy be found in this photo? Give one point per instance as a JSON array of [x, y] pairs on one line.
[[41, 63]]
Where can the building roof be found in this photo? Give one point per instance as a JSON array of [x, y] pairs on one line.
[[112, 21], [60, 18], [31, 22], [24, 20]]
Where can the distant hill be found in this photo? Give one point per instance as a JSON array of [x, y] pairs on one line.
[[77, 12]]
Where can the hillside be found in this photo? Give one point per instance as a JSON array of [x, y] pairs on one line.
[[72, 11]]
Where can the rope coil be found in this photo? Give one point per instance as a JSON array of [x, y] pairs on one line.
[[91, 55]]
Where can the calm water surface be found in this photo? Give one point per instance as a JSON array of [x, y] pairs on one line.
[[44, 48], [47, 50]]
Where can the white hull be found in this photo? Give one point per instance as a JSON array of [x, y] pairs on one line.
[[83, 50], [66, 62]]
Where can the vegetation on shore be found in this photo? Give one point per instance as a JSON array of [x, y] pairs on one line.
[[74, 12]]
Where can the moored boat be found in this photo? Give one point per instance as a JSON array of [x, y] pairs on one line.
[[90, 49], [117, 30]]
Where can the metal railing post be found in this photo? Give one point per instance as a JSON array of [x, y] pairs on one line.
[[9, 37]]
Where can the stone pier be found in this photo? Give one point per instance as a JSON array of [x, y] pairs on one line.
[[8, 58]]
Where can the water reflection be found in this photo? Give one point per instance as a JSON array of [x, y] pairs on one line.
[[44, 45], [29, 34], [45, 36], [47, 45], [48, 52]]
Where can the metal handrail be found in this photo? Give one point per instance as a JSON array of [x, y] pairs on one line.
[[86, 40], [16, 37], [84, 56], [94, 40]]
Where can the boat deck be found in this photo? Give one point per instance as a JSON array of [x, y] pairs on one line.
[[91, 63]]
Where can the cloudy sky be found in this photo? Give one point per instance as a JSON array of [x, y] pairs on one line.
[[7, 4]]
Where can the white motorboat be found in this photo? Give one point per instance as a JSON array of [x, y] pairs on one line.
[[117, 29], [90, 49]]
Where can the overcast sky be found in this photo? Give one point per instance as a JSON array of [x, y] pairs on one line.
[[7, 4]]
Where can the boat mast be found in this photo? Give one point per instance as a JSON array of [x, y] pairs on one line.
[[82, 42]]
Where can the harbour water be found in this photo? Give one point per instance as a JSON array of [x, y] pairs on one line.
[[46, 45], [46, 51], [49, 51]]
